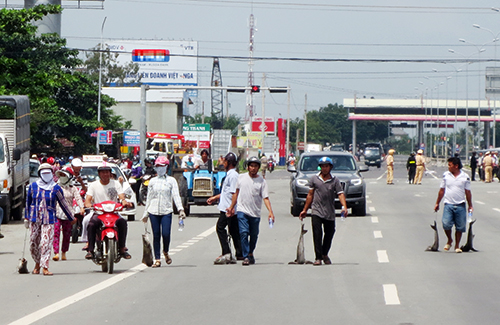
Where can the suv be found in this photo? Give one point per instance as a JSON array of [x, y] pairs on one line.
[[373, 156], [344, 168]]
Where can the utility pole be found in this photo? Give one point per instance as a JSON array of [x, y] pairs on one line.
[[305, 123], [202, 112], [288, 126], [263, 125]]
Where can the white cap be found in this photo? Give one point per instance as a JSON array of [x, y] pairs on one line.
[[77, 162]]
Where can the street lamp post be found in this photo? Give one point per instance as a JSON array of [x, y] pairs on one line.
[[495, 40], [100, 86]]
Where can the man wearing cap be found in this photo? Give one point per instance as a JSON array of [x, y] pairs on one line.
[[224, 198], [324, 188], [390, 167], [76, 166], [420, 159], [488, 167]]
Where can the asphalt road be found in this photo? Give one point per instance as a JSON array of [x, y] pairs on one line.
[[380, 274]]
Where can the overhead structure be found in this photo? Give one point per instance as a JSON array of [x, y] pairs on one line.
[[52, 23], [217, 95], [249, 92]]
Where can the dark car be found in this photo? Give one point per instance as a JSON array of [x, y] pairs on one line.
[[373, 156], [344, 168]]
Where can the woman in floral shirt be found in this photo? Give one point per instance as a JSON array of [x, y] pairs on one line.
[[40, 216]]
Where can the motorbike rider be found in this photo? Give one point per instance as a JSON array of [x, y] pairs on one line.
[[205, 163], [76, 167], [136, 174], [106, 189]]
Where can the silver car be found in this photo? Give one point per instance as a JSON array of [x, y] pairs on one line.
[[344, 168]]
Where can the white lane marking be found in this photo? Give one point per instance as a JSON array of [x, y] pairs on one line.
[[382, 257], [391, 294], [172, 253], [377, 234], [479, 202], [198, 238], [174, 250], [418, 195], [373, 182], [44, 312], [183, 246], [374, 219], [382, 175], [187, 243], [496, 209], [193, 241], [491, 192], [371, 209], [368, 201]]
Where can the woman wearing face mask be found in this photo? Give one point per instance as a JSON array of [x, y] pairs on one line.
[[161, 190], [40, 216], [70, 193]]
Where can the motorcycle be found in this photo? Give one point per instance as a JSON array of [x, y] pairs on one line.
[[143, 192], [270, 166], [106, 252], [76, 230]]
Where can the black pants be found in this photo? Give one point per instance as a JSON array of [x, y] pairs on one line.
[[95, 224], [136, 187], [411, 174], [322, 243], [234, 231], [473, 173]]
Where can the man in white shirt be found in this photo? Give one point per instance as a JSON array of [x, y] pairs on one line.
[[106, 189], [455, 188], [251, 190], [225, 197]]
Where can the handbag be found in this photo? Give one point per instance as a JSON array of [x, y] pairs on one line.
[[147, 250]]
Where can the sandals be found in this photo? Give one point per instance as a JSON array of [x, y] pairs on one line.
[[317, 262], [126, 255], [167, 258], [157, 264], [47, 272], [447, 247], [35, 271], [246, 262], [56, 257], [327, 260]]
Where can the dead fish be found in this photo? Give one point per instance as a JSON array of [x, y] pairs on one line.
[[22, 268], [301, 258], [470, 236], [435, 246]]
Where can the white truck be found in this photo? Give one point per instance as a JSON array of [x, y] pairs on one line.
[[14, 154]]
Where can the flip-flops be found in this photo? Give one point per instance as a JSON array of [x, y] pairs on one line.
[[447, 247]]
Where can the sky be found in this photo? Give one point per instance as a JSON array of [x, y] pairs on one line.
[[320, 31]]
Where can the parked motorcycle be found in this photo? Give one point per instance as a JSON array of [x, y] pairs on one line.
[[106, 251]]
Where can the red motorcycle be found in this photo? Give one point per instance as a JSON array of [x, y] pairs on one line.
[[106, 253], [270, 166]]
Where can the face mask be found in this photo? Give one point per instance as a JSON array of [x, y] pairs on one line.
[[63, 180], [161, 170], [46, 177]]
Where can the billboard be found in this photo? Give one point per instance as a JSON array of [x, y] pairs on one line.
[[160, 62], [131, 138], [268, 124], [197, 134]]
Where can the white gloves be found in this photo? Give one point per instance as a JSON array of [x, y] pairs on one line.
[[145, 218], [26, 224], [182, 214]]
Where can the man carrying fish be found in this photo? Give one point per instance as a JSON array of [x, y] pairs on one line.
[[455, 189], [324, 188]]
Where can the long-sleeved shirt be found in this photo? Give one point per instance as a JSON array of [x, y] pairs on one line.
[[41, 204], [161, 191], [70, 193]]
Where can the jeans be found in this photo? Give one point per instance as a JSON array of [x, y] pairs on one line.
[[322, 244], [234, 231], [455, 214], [249, 226], [161, 226]]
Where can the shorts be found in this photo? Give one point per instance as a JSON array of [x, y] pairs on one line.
[[454, 215]]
